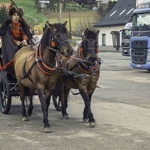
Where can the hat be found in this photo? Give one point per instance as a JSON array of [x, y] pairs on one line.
[[14, 9]]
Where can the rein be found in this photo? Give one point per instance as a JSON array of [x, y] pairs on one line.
[[7, 65], [81, 63]]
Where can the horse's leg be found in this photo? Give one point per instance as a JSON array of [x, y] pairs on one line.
[[64, 92], [30, 105], [48, 98], [22, 98], [44, 110], [87, 114], [30, 93]]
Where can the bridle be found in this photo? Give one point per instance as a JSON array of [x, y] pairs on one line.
[[82, 62], [56, 45], [92, 48], [85, 48]]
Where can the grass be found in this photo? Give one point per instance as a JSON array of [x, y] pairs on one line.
[[76, 24], [30, 11]]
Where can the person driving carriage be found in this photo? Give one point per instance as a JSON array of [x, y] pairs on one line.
[[15, 33]]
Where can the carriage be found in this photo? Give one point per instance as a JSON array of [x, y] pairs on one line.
[[82, 73], [9, 84]]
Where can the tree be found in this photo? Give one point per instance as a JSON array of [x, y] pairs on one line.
[[3, 14], [110, 5]]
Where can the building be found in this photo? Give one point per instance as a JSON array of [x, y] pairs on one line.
[[113, 22], [105, 1]]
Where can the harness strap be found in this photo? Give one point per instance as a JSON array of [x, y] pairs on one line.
[[10, 63], [26, 74], [82, 66], [87, 69], [72, 66], [43, 65]]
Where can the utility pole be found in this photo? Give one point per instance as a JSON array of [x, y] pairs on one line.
[[70, 25], [60, 11]]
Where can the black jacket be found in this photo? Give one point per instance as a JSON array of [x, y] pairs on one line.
[[9, 48]]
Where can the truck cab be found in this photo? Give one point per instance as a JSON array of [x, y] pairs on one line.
[[125, 36], [140, 38]]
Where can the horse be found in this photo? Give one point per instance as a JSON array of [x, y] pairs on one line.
[[38, 70], [84, 68]]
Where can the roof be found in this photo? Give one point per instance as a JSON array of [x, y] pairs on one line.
[[120, 14]]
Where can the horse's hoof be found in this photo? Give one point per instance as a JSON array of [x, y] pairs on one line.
[[92, 124], [25, 118], [29, 114], [65, 117], [85, 120], [47, 130]]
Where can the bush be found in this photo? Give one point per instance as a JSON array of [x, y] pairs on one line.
[[3, 14]]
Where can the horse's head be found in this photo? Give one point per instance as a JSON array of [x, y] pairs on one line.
[[90, 45], [59, 39]]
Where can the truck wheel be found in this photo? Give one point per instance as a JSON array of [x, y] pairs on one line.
[[148, 70]]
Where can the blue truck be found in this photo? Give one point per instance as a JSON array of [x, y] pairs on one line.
[[140, 37]]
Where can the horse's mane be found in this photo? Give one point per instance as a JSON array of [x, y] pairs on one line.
[[60, 28], [45, 38], [48, 33], [91, 34]]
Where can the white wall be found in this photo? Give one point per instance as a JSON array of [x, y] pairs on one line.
[[106, 1], [107, 31]]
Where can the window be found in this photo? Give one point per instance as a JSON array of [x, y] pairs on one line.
[[129, 11], [103, 39], [122, 12], [113, 13]]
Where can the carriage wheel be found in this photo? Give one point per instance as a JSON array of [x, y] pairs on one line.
[[5, 96], [56, 102]]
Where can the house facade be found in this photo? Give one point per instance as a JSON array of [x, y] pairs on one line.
[[114, 21]]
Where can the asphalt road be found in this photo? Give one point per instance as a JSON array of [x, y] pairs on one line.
[[121, 107]]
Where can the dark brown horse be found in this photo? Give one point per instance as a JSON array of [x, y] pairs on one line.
[[84, 67], [38, 69]]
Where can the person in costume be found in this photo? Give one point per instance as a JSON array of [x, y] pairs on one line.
[[38, 33], [15, 33]]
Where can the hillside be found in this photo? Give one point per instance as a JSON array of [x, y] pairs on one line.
[[77, 22]]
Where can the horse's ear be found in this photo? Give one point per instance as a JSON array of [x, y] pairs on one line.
[[98, 32], [50, 26], [65, 23], [86, 31]]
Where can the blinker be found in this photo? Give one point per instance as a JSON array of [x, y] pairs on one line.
[[53, 44]]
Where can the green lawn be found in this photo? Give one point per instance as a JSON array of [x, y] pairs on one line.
[[30, 11]]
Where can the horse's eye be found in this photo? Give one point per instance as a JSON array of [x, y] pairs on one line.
[[86, 42], [57, 35], [96, 43]]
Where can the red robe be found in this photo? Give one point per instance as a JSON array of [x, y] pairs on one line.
[[17, 33]]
